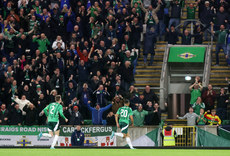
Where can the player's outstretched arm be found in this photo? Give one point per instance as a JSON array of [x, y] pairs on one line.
[[45, 110]]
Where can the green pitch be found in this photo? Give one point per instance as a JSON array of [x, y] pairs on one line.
[[111, 152]]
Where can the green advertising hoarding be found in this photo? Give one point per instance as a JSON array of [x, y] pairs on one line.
[[187, 54], [64, 131]]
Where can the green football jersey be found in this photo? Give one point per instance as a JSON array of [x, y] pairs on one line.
[[52, 111], [124, 113]]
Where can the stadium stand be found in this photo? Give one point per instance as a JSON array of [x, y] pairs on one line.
[[96, 51]]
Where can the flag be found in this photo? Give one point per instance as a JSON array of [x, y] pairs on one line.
[[206, 139], [187, 54], [224, 132], [149, 139]]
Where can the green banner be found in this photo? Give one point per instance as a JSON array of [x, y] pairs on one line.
[[223, 133], [206, 139], [64, 131], [186, 54], [22, 130], [89, 131]]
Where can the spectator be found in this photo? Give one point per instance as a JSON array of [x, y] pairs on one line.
[[22, 103], [222, 33], [149, 95], [139, 116], [55, 43], [4, 115], [190, 116], [43, 42], [155, 117], [97, 113], [77, 137], [171, 35], [149, 46], [175, 13], [75, 117], [15, 116], [198, 105], [127, 75], [117, 103], [151, 18], [191, 11], [209, 97], [222, 103], [101, 96], [221, 18], [70, 90], [85, 94], [201, 120], [110, 119], [195, 90], [212, 118], [31, 114], [186, 37], [206, 14]]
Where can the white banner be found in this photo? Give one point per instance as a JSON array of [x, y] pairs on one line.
[[31, 140], [24, 140], [90, 141]]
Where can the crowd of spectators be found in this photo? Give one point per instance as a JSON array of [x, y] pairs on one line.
[[206, 105], [87, 52]]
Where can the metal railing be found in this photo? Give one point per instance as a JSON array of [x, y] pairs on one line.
[[186, 136], [192, 20]]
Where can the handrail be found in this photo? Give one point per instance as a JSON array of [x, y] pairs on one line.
[[193, 20]]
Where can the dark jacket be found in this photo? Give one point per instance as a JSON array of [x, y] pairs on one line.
[[186, 40], [4, 114], [97, 114], [31, 116], [110, 120], [172, 37], [221, 17], [221, 101], [150, 40], [75, 118], [151, 96], [175, 10], [15, 117], [206, 15], [77, 138], [83, 73]]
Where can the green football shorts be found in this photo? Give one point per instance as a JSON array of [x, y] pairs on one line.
[[53, 126], [124, 127]]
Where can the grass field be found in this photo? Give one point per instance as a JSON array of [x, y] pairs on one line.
[[111, 152]]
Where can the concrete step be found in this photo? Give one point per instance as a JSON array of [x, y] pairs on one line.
[[153, 75], [220, 71], [149, 84], [147, 79], [149, 67]]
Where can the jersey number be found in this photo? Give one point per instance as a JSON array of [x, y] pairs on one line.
[[124, 113], [52, 109]]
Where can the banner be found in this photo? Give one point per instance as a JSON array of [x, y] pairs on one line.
[[27, 136], [206, 139], [224, 132], [186, 54], [149, 139], [89, 131], [101, 141]]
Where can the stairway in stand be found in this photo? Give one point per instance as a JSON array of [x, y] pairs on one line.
[[150, 75]]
